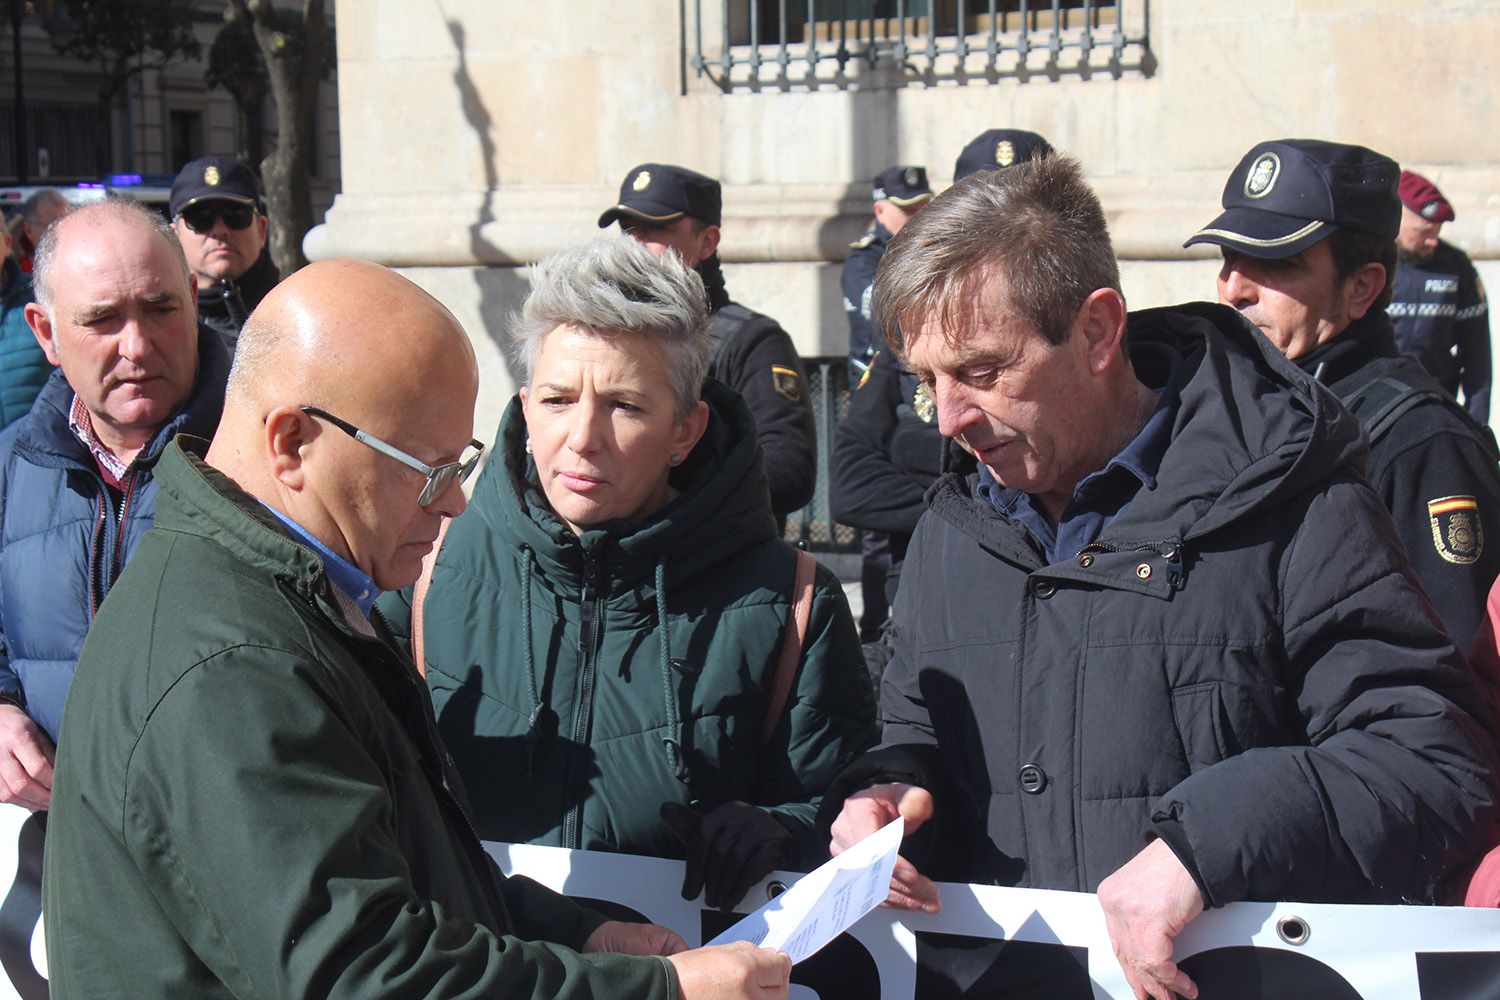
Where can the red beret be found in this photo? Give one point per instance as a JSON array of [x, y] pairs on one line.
[[1422, 196]]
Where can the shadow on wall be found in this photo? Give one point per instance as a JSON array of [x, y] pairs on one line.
[[501, 290], [874, 144]]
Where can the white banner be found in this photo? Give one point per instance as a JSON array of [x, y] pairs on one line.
[[1039, 944], [987, 942]]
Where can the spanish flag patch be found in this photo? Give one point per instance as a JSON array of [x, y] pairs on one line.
[[1457, 533]]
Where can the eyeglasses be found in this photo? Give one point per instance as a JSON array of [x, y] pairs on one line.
[[200, 218], [439, 477]]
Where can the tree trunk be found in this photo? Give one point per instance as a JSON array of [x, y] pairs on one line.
[[294, 85]]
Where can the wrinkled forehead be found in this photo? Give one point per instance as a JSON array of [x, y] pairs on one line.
[[969, 309]]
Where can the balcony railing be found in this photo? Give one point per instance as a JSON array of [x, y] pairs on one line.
[[889, 43]]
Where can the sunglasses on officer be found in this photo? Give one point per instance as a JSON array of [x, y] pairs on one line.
[[200, 218], [439, 477]]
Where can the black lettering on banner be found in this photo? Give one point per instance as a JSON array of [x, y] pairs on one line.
[[1458, 975], [1246, 973], [21, 910], [843, 970], [954, 966]]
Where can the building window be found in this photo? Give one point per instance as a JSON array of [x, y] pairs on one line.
[[186, 128], [751, 43], [66, 132]]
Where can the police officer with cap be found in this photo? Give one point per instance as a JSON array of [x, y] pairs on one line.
[[216, 212], [1308, 237], [1438, 304], [667, 207], [998, 148], [900, 192]]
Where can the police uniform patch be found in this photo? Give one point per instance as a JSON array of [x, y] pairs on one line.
[[642, 181], [923, 404], [1262, 176], [1005, 152], [864, 376], [211, 175], [1457, 533], [912, 180], [785, 381]]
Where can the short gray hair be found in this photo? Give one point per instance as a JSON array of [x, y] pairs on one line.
[[32, 206], [126, 210], [1037, 228], [615, 285]]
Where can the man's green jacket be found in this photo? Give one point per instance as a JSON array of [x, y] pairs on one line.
[[252, 800]]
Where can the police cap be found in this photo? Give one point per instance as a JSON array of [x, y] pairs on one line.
[[1288, 194], [903, 186], [997, 148], [660, 194], [213, 178]]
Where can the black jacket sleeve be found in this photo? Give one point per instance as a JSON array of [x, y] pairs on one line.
[[857, 280], [884, 456], [1471, 334], [762, 365], [1426, 458], [1395, 731]]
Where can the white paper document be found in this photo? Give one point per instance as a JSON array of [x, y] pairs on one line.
[[824, 903]]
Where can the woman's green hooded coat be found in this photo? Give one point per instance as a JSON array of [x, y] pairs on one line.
[[582, 681]]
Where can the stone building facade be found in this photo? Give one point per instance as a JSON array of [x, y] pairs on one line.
[[479, 135]]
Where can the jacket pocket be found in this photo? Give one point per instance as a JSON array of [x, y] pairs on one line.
[[1198, 711]]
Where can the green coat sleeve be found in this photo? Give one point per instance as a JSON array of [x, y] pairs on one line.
[[262, 816]]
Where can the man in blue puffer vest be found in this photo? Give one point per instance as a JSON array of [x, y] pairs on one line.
[[115, 311]]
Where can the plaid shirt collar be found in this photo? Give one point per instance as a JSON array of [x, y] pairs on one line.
[[82, 426]]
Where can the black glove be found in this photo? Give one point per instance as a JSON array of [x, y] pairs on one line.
[[728, 851]]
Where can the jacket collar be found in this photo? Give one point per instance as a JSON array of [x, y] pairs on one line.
[[194, 498], [1370, 336]]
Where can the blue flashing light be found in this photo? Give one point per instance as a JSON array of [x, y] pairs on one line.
[[122, 180], [90, 185]]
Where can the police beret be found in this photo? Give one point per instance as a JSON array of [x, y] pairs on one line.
[[1288, 194], [1423, 197], [660, 194]]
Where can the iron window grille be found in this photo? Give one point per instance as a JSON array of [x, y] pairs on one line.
[[811, 43]]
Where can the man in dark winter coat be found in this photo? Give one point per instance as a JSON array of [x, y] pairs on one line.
[[1438, 305], [1160, 640], [114, 312], [673, 208], [216, 212], [886, 450], [260, 803], [1307, 234]]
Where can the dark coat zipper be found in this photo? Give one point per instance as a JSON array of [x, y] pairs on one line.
[[1169, 549], [109, 539], [588, 643]]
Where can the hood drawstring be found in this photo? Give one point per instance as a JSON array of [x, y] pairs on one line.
[[673, 743], [533, 732]]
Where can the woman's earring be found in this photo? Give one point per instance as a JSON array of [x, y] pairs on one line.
[[676, 459], [528, 444]]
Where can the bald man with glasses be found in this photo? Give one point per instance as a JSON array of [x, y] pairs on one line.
[[262, 803]]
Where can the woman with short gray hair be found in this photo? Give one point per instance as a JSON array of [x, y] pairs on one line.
[[602, 628]]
